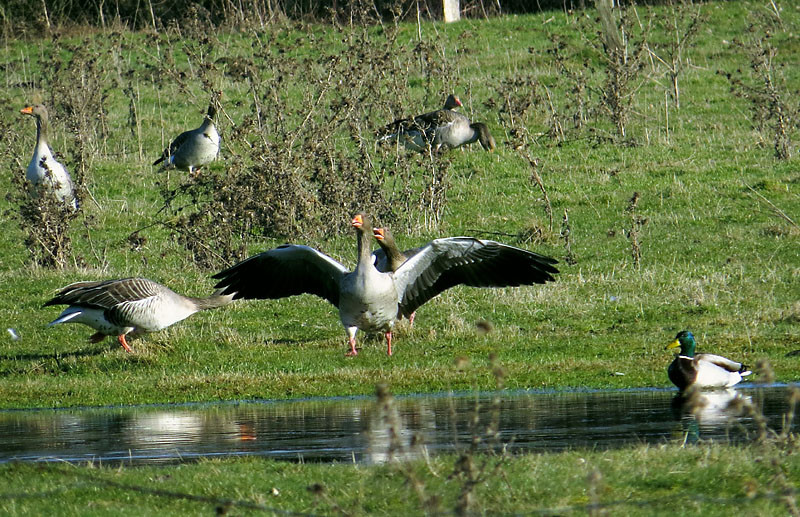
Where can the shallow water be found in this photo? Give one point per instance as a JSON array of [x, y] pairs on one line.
[[364, 430]]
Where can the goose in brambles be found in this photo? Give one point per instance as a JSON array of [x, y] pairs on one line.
[[438, 130], [701, 370], [371, 300], [389, 257], [197, 147], [43, 170], [128, 306]]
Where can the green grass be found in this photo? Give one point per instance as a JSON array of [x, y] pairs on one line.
[[643, 481], [716, 257]]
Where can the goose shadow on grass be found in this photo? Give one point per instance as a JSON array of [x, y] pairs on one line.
[[53, 355]]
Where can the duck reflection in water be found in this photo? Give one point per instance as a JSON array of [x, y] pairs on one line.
[[709, 410]]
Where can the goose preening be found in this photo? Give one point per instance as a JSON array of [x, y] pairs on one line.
[[438, 130], [197, 147], [701, 370], [43, 170], [371, 300], [128, 306]]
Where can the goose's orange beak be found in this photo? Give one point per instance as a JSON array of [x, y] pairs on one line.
[[378, 233], [357, 221], [27, 111]]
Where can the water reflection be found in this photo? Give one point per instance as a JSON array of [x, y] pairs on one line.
[[363, 430]]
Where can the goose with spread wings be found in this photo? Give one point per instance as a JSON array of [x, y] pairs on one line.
[[372, 300]]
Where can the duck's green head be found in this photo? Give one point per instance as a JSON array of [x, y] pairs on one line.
[[685, 341]]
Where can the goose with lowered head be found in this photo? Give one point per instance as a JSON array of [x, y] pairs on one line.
[[438, 130], [128, 306], [372, 300]]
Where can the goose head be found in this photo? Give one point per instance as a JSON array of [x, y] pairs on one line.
[[39, 112], [452, 102], [362, 223], [484, 136]]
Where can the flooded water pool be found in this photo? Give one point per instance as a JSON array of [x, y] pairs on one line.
[[366, 430]]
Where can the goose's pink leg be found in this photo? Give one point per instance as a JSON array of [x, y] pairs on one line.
[[352, 352], [121, 339], [389, 343]]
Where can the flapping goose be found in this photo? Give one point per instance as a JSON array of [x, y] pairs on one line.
[[44, 170], [701, 370], [128, 306], [389, 257], [195, 148], [441, 129], [370, 300]]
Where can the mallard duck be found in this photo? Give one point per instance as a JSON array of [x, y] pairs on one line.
[[438, 130], [371, 300], [195, 148], [701, 370], [128, 306], [43, 169]]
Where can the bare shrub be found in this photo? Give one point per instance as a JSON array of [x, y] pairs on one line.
[[296, 163], [517, 100], [79, 92], [45, 222], [575, 76], [633, 232], [774, 108], [566, 235], [536, 179], [621, 44], [680, 25]]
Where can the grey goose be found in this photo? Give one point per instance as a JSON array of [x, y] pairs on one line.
[[701, 370], [438, 130], [372, 300], [44, 171], [389, 257], [195, 148], [127, 306]]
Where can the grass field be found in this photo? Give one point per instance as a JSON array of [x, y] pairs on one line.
[[714, 225], [629, 482], [710, 245]]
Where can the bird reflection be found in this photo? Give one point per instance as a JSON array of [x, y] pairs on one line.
[[708, 410]]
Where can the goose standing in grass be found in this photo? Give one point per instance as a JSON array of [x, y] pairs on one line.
[[371, 300], [197, 147], [701, 370], [128, 306], [43, 170], [439, 130]]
